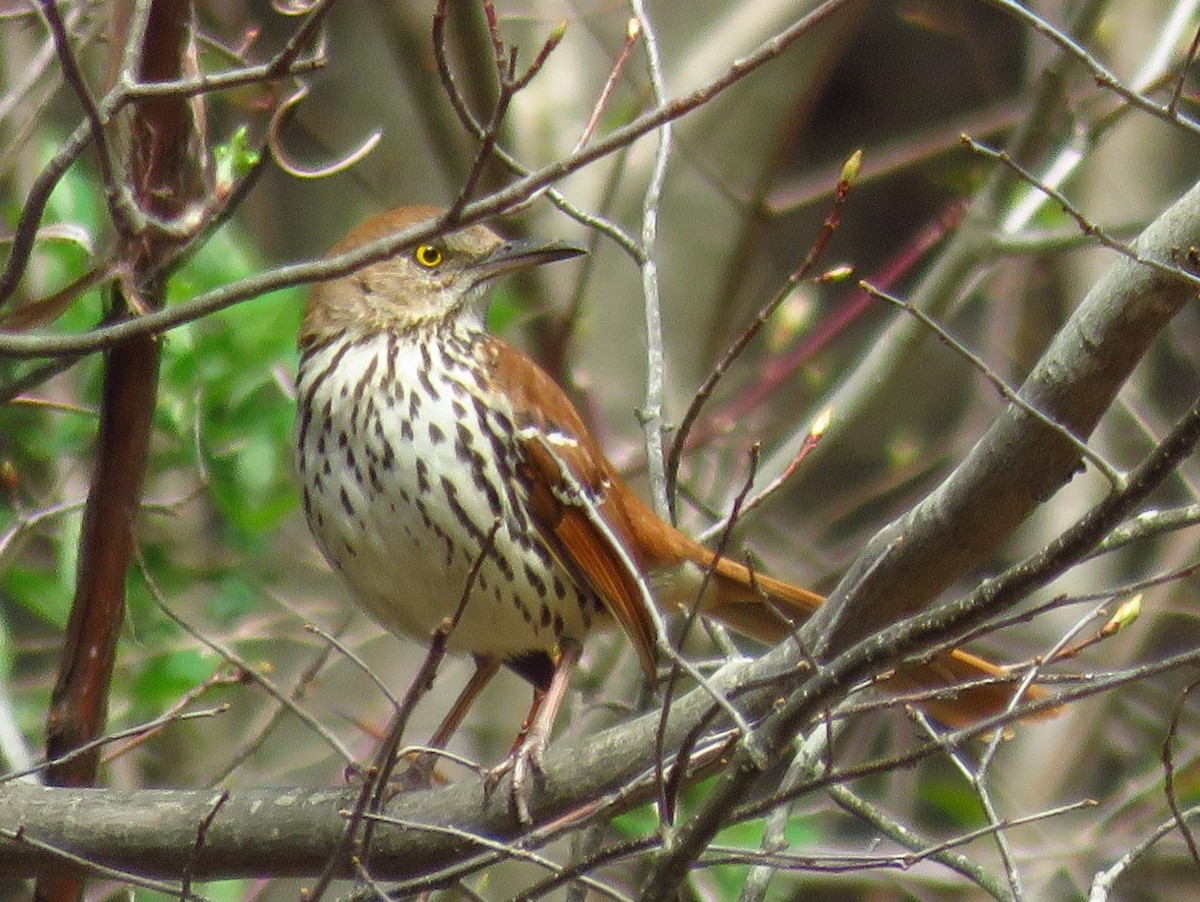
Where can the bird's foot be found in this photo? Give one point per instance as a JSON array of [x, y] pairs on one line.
[[525, 759]]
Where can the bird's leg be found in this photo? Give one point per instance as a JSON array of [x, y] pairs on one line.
[[420, 772], [530, 744]]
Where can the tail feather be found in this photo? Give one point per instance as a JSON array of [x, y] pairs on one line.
[[988, 688]]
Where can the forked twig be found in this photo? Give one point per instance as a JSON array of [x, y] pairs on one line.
[[508, 82], [100, 742], [238, 661]]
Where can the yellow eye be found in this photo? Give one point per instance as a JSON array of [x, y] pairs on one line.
[[429, 256]]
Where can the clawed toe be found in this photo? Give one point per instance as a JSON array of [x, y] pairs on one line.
[[526, 758]]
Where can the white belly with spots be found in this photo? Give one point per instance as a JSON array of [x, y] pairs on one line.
[[405, 475]]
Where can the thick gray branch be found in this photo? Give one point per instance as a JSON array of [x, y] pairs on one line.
[[293, 831]]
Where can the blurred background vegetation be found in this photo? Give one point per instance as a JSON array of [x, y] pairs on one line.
[[750, 180]]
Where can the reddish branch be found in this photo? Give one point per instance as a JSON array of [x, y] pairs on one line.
[[162, 175]]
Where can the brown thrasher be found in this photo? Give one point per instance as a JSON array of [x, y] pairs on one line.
[[430, 450]]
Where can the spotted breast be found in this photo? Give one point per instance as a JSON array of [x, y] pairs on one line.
[[408, 464]]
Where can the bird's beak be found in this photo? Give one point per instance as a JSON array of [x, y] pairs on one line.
[[522, 254]]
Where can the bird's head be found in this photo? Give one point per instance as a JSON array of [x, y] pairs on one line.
[[440, 279]]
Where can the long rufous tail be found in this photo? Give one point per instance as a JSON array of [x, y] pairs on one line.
[[761, 607]]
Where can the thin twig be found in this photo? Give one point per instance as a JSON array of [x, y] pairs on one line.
[[633, 32], [704, 392], [1103, 882], [238, 661], [120, 205], [976, 779], [185, 885], [666, 799], [214, 680], [651, 412], [95, 869], [816, 431], [275, 143], [346, 842], [509, 85], [506, 850], [1100, 73], [1086, 225], [1173, 106], [1148, 525], [353, 657], [1115, 478], [944, 852], [853, 863], [299, 690], [1167, 757], [116, 736], [477, 130]]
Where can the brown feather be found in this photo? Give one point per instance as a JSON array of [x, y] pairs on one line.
[[555, 439], [573, 530]]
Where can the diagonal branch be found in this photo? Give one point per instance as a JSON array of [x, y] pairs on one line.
[[1020, 462]]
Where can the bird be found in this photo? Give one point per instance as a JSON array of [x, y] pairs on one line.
[[448, 479]]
